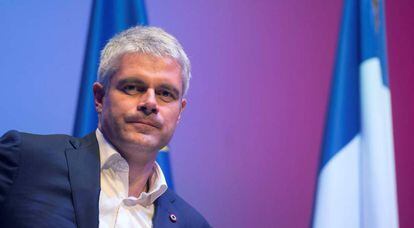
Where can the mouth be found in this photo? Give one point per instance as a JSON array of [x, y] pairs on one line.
[[145, 123]]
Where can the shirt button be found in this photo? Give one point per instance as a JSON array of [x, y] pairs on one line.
[[173, 218]]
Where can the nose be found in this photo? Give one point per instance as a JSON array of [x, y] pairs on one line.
[[148, 104]]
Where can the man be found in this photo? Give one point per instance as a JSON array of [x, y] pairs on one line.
[[108, 178]]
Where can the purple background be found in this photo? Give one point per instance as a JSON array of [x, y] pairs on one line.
[[246, 152]]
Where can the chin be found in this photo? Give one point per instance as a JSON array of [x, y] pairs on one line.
[[143, 141]]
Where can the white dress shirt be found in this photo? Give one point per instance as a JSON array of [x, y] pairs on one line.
[[116, 208]]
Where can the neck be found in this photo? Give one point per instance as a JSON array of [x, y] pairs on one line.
[[139, 177], [141, 167], [140, 162]]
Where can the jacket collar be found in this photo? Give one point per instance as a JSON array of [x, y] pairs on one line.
[[84, 175], [164, 209]]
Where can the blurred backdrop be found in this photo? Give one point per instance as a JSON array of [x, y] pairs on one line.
[[247, 149]]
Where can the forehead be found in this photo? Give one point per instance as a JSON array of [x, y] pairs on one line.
[[149, 68], [148, 61]]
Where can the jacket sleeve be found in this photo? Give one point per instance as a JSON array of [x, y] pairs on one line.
[[9, 162]]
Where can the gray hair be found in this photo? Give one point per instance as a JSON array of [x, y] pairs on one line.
[[146, 40]]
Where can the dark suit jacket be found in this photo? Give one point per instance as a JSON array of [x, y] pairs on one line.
[[54, 181]]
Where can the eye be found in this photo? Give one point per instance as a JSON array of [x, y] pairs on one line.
[[133, 89], [166, 95]]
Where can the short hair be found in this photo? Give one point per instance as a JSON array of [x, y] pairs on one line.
[[146, 40]]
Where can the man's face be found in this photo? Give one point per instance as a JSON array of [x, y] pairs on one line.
[[141, 106]]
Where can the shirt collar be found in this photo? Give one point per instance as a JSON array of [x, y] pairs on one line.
[[107, 152], [110, 158]]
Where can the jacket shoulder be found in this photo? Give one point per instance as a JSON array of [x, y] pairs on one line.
[[36, 141], [9, 161]]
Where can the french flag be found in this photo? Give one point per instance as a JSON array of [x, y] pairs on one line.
[[356, 185]]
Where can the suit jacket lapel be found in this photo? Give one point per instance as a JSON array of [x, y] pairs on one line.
[[164, 208], [84, 175]]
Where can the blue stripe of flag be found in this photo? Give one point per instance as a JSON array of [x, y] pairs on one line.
[[343, 119]]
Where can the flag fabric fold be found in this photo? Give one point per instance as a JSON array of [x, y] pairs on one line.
[[108, 17], [356, 181]]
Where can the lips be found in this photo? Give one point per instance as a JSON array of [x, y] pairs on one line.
[[150, 123]]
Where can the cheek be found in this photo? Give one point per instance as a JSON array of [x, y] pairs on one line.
[[171, 118], [119, 106], [112, 113]]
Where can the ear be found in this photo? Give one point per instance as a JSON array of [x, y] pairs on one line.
[[183, 104], [98, 94]]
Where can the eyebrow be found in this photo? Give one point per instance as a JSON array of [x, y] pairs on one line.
[[130, 80]]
